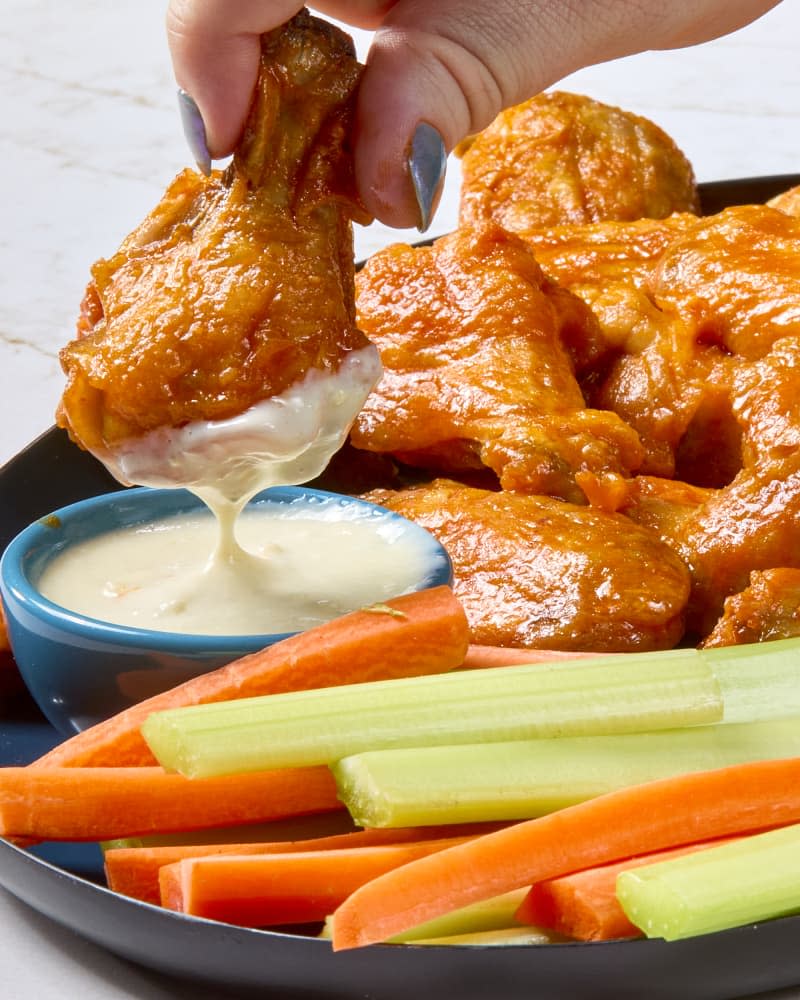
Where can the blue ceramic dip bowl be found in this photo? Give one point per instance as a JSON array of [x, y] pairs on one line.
[[81, 670]]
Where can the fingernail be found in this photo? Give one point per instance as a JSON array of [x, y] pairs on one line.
[[427, 163], [195, 131]]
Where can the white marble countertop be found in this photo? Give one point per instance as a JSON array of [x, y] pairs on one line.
[[89, 139]]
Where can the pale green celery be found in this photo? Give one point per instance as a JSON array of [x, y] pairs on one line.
[[634, 693], [742, 882], [527, 778], [481, 917], [502, 937], [760, 680], [484, 916]]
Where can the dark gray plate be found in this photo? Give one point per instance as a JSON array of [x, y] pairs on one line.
[[59, 881]]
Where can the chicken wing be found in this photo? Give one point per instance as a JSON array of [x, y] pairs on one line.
[[540, 573], [220, 340], [476, 373], [652, 379], [563, 158], [753, 523], [787, 201], [736, 276], [768, 608]]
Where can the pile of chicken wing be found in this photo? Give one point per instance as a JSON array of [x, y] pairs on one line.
[[591, 392]]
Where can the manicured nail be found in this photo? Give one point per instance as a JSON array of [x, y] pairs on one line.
[[195, 131], [427, 163]]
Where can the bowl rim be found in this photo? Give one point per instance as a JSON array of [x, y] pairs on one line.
[[15, 582]]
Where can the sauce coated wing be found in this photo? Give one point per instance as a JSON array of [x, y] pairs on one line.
[[238, 284], [536, 572], [564, 158], [476, 372], [768, 608], [736, 277]]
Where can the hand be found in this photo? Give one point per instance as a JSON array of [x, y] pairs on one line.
[[453, 64]]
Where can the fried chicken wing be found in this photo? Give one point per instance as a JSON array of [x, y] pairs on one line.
[[476, 372], [564, 158], [237, 289], [540, 573], [787, 201], [653, 380], [768, 608], [736, 276], [753, 523]]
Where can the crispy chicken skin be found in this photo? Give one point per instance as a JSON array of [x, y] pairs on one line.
[[651, 379], [238, 284], [787, 201], [564, 158], [536, 572], [736, 277], [768, 608], [753, 523], [589, 258], [476, 372]]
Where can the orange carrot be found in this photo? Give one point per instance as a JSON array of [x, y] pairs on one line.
[[420, 633], [629, 821], [507, 656], [133, 871], [101, 803], [288, 888], [584, 905]]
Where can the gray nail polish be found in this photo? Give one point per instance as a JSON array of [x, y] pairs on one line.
[[427, 163], [195, 131]]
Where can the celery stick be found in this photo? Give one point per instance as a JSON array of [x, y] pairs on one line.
[[526, 778], [410, 691], [755, 878], [635, 693], [501, 937], [485, 915], [760, 680]]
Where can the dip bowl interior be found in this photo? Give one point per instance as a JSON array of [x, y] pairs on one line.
[[80, 669]]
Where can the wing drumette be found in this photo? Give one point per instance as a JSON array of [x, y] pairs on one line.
[[220, 341]]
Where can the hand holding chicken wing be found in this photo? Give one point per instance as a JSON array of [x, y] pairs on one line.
[[220, 340]]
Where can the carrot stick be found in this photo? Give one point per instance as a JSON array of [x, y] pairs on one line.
[[133, 871], [420, 633], [507, 656], [584, 905], [101, 803], [288, 888], [677, 810]]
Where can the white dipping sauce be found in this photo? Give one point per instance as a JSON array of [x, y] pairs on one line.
[[280, 441], [299, 564], [273, 569]]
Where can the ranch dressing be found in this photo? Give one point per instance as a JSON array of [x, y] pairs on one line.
[[242, 572], [280, 441], [292, 566]]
